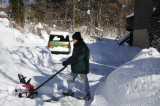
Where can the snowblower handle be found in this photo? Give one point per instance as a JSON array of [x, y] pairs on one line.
[[50, 78]]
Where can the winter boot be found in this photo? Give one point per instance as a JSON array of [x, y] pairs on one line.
[[68, 94], [87, 97]]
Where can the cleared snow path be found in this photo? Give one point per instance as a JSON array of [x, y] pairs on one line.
[[105, 57]]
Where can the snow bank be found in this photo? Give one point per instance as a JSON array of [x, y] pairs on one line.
[[11, 37], [4, 22], [3, 13], [36, 63], [136, 83], [25, 60], [21, 53]]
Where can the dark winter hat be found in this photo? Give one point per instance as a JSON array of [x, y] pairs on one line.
[[77, 36]]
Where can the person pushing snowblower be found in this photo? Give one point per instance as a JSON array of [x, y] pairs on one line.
[[79, 62]]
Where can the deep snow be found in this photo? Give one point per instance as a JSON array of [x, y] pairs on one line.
[[136, 83], [27, 53]]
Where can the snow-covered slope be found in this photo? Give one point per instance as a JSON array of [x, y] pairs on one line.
[[21, 53], [11, 37], [136, 83]]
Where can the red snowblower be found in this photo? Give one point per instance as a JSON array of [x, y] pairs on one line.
[[26, 90]]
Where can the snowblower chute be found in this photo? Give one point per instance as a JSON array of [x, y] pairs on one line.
[[25, 89]]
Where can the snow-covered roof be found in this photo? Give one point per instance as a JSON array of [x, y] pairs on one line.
[[59, 33], [130, 15]]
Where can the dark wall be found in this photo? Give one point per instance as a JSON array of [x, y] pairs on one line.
[[143, 11], [129, 23]]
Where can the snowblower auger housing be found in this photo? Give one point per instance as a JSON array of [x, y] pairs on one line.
[[25, 89]]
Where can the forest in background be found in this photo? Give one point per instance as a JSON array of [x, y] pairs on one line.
[[99, 16]]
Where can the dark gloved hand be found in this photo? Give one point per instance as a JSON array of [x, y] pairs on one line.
[[64, 64]]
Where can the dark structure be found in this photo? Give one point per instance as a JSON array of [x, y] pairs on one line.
[[142, 13], [129, 27]]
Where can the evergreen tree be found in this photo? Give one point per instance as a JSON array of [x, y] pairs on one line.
[[154, 31], [17, 8]]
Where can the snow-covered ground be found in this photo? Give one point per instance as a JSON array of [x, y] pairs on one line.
[[116, 78], [136, 83]]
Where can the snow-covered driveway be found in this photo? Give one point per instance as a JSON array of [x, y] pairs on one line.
[[105, 57], [37, 63]]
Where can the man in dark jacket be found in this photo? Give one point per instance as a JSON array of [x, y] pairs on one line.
[[79, 62]]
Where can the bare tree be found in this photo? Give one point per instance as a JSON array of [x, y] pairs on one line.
[[73, 19], [97, 15]]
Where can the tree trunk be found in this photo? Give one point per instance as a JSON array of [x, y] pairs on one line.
[[73, 19], [121, 19], [99, 18], [89, 18]]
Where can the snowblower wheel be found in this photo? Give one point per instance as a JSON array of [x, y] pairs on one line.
[[20, 95], [36, 93], [31, 97]]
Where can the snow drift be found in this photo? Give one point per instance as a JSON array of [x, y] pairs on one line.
[[136, 83], [27, 54], [11, 37]]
